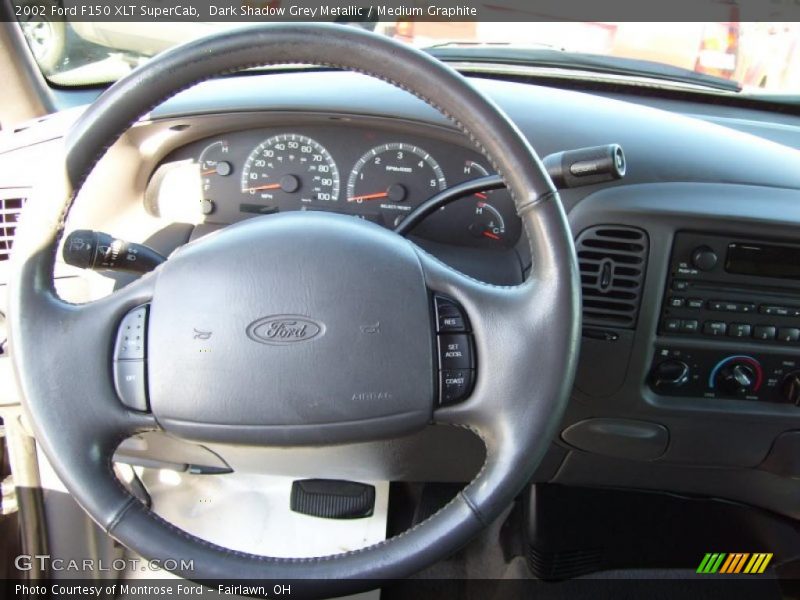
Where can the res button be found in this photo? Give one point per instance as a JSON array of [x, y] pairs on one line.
[[449, 316]]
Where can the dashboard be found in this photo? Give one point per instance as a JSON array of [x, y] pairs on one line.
[[369, 173], [659, 403]]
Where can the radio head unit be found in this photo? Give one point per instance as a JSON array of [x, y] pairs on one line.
[[733, 290], [719, 287]]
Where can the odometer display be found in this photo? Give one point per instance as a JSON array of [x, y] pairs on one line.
[[289, 167]]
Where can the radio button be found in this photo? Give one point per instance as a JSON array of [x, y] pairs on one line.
[[704, 258], [725, 306], [690, 326], [694, 303], [776, 311], [739, 330], [788, 334], [764, 332], [671, 325], [721, 305], [715, 328], [676, 302], [680, 285]]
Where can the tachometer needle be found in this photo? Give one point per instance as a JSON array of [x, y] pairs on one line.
[[491, 235], [268, 186], [369, 197], [481, 195]]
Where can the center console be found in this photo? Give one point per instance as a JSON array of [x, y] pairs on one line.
[[743, 292]]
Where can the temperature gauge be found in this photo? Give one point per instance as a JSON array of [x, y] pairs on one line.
[[487, 223]]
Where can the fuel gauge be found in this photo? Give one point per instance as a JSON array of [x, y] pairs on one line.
[[213, 162]]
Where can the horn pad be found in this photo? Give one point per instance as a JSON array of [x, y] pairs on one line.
[[299, 328]]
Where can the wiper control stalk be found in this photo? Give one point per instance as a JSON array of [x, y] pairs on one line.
[[102, 252]]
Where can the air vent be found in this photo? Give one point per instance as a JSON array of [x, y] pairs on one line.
[[612, 263], [565, 564], [10, 209]]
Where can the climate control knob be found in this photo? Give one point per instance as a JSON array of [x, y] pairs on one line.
[[790, 387], [670, 373], [737, 378]]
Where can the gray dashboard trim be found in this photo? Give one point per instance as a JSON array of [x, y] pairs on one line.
[[716, 446], [660, 145]]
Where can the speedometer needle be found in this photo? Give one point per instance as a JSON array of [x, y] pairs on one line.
[[269, 186], [369, 196]]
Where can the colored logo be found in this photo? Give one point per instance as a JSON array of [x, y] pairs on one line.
[[735, 563]]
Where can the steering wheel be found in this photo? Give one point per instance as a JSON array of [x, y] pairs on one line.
[[344, 382]]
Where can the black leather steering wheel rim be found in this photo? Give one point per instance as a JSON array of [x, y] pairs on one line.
[[527, 335]]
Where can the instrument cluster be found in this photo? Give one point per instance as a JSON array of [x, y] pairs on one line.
[[380, 176]]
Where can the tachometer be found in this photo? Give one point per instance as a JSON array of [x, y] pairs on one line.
[[288, 167], [395, 177]]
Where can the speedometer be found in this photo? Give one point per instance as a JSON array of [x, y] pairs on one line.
[[395, 176], [288, 167]]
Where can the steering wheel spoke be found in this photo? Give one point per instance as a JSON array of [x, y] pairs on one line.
[[76, 386], [518, 351]]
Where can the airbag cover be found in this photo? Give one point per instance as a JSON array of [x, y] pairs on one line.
[[292, 329]]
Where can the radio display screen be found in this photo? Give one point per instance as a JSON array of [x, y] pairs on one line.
[[763, 260]]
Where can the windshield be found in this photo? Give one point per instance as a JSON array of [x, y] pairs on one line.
[[759, 57]]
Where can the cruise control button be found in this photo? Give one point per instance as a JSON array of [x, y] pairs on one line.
[[455, 352], [764, 332], [449, 316], [129, 381], [788, 334], [739, 330], [715, 328], [131, 335], [455, 385]]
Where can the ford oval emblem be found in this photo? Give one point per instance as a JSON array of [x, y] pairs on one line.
[[280, 330]]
